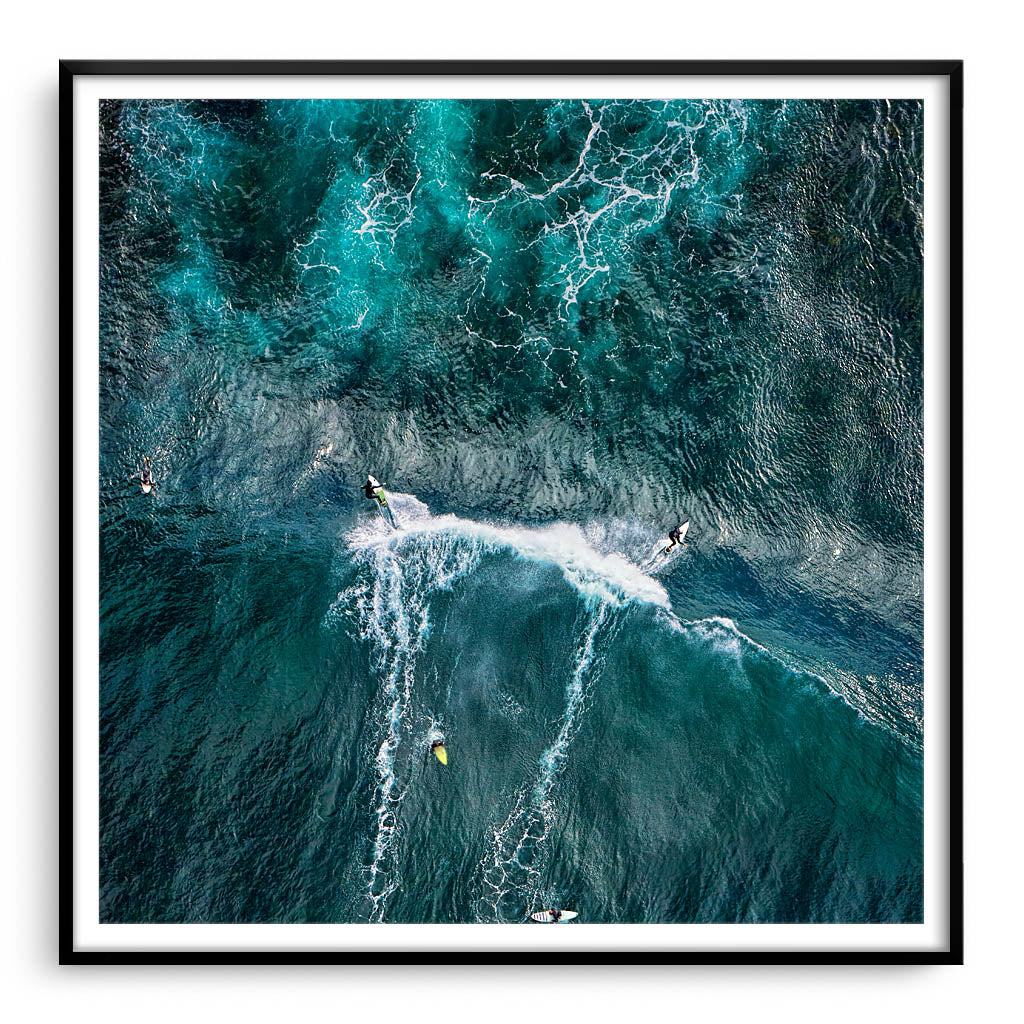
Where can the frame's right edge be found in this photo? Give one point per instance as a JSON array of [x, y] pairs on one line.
[[956, 494]]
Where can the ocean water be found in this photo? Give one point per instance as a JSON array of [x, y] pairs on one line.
[[554, 329]]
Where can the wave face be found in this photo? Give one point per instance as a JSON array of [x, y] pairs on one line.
[[554, 329]]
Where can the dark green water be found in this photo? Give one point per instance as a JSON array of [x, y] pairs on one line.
[[554, 329]]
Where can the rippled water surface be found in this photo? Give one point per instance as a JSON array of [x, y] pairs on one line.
[[554, 329]]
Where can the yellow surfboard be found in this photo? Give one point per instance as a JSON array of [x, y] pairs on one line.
[[442, 754]]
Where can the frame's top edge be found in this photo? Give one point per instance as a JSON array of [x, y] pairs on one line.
[[511, 67]]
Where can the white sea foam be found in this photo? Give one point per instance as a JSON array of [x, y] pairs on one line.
[[612, 194], [602, 577], [390, 604]]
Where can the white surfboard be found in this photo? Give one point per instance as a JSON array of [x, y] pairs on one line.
[[544, 916]]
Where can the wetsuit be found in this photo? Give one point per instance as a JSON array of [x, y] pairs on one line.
[[676, 537], [145, 476]]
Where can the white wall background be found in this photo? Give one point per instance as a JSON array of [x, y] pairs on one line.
[[36, 35]]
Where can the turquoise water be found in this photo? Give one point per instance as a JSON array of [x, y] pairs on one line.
[[554, 329]]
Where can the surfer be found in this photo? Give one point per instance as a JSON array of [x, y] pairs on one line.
[[676, 537], [555, 915], [374, 491], [145, 476]]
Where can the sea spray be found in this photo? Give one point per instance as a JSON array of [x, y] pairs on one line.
[[390, 605]]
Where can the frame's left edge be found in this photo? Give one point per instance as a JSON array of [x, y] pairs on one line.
[[65, 717]]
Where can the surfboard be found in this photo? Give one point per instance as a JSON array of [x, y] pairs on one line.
[[146, 488], [441, 754], [544, 916]]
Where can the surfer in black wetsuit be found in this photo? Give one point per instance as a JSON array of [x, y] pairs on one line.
[[676, 537], [374, 491], [145, 476], [555, 916]]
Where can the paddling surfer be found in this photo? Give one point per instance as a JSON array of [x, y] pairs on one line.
[[145, 476]]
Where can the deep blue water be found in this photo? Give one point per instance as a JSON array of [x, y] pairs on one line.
[[554, 329]]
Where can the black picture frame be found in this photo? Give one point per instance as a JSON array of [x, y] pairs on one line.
[[953, 70]]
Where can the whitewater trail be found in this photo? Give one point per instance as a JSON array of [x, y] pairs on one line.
[[511, 871], [390, 604], [399, 573]]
